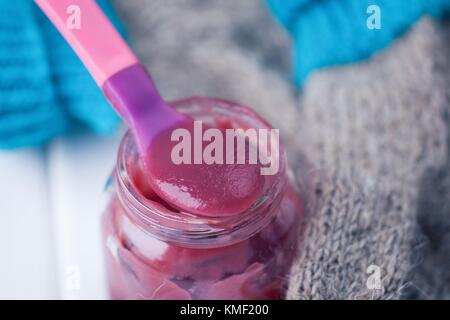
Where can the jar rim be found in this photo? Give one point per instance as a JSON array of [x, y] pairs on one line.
[[188, 229]]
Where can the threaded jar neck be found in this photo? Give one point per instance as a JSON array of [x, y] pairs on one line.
[[185, 228]]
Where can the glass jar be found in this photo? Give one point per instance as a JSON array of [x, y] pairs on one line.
[[154, 251]]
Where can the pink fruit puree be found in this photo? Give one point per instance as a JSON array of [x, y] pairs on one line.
[[205, 189], [243, 261]]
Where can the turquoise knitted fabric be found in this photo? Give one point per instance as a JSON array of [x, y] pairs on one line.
[[330, 32], [44, 88]]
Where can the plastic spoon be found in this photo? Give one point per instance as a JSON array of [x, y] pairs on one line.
[[210, 189]]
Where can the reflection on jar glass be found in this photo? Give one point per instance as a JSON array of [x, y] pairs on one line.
[[154, 251]]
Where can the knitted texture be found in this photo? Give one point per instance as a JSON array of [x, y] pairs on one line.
[[330, 32], [376, 134], [378, 131], [44, 88]]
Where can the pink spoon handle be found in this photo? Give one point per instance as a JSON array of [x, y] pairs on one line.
[[94, 39], [115, 68]]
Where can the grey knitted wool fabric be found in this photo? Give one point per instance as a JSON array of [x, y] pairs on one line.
[[374, 136], [378, 129]]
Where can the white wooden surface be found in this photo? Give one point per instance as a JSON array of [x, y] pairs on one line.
[[50, 206]]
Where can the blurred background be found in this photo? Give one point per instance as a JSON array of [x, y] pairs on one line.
[[361, 88]]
